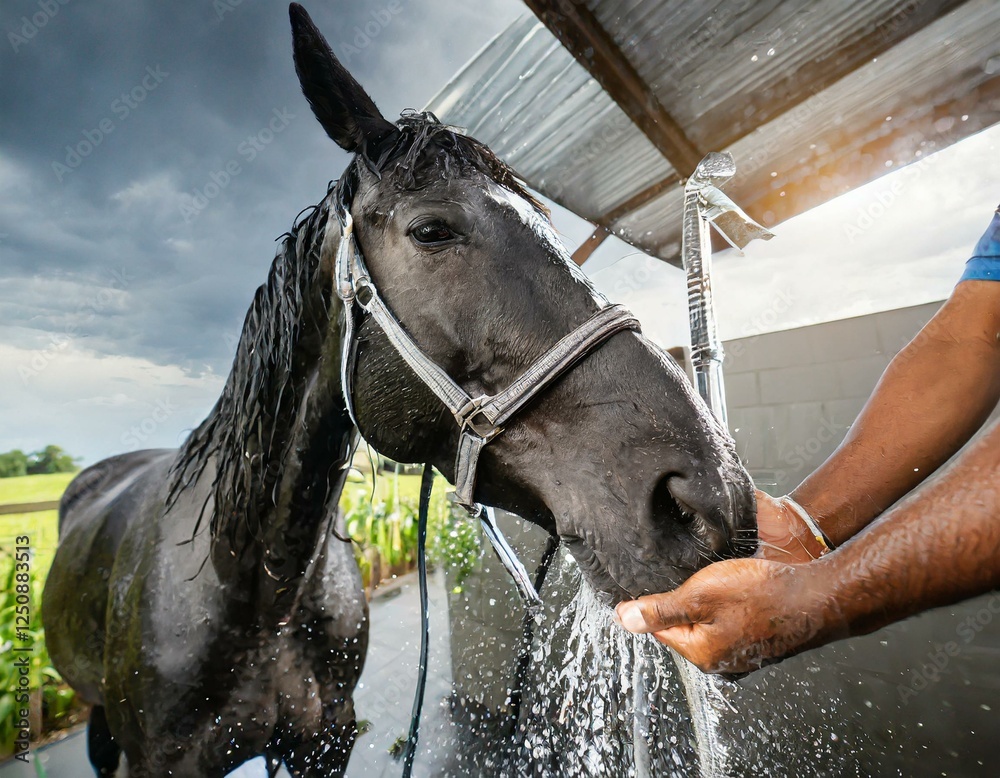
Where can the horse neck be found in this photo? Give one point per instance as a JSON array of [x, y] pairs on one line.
[[310, 444]]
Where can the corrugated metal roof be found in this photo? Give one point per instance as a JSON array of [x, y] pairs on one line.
[[800, 92]]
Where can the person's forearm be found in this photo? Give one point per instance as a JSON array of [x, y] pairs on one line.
[[932, 398], [938, 546]]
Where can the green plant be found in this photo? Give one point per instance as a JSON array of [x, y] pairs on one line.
[[44, 685], [51, 459], [457, 545], [382, 520], [13, 464]]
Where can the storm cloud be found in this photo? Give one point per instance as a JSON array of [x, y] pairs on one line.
[[150, 154]]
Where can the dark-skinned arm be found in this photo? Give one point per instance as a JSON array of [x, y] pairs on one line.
[[931, 399], [938, 546]]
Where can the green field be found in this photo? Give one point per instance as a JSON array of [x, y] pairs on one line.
[[34, 488], [383, 524], [409, 486], [41, 527], [42, 530]]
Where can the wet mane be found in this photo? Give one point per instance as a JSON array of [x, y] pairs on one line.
[[240, 430], [425, 151]]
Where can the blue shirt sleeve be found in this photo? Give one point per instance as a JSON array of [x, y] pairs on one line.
[[985, 262]]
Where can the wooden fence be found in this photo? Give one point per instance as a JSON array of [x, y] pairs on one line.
[[28, 507]]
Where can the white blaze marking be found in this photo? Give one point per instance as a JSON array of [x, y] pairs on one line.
[[543, 229]]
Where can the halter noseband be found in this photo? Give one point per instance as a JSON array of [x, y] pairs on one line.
[[480, 419]]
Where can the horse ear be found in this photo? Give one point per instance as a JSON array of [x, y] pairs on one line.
[[345, 110]]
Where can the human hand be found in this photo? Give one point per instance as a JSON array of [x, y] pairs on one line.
[[735, 616], [784, 537]]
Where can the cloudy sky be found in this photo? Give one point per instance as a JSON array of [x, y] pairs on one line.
[[121, 295], [150, 153]]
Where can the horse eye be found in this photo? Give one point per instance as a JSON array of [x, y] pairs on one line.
[[432, 233]]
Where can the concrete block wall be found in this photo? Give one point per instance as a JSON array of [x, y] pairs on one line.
[[792, 395]]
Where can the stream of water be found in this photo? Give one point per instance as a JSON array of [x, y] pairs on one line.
[[613, 703]]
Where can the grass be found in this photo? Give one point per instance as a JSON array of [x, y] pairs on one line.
[[42, 527], [34, 488], [383, 523], [43, 530], [52, 697]]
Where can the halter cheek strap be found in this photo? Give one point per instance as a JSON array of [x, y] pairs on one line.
[[480, 419]]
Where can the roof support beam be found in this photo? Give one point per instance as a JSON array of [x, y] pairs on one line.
[[590, 245], [578, 30], [639, 199]]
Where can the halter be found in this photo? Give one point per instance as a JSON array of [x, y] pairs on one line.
[[479, 419]]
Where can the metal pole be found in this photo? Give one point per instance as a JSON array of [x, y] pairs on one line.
[[705, 204]]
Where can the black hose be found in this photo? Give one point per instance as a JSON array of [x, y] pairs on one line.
[[426, 484]]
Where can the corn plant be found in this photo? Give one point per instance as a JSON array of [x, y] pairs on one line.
[[57, 699], [384, 528]]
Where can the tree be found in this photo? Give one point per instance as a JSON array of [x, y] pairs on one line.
[[13, 464], [51, 459]]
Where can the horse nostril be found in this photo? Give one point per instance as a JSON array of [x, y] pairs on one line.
[[700, 502], [665, 503]]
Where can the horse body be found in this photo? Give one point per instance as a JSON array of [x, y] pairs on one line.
[[217, 683], [167, 646], [205, 600]]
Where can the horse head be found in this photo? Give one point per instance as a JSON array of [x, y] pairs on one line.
[[618, 457]]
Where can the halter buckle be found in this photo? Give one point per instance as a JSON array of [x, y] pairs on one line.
[[364, 292], [472, 418]]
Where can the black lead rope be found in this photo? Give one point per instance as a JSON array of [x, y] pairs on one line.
[[528, 633], [426, 484]]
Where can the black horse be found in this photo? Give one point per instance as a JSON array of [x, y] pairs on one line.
[[205, 600]]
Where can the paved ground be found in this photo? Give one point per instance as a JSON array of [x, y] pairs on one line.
[[383, 698]]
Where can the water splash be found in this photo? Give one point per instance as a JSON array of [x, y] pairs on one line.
[[610, 703], [598, 701]]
